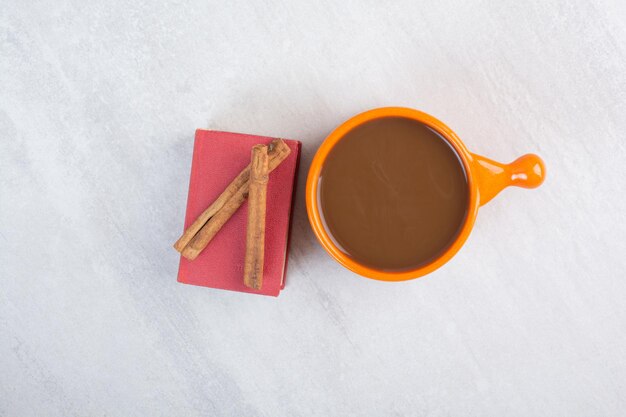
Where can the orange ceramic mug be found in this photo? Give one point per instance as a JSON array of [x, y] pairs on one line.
[[486, 178]]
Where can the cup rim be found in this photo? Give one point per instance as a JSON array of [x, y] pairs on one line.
[[313, 209]]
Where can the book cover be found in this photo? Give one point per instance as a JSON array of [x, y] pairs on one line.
[[218, 157]]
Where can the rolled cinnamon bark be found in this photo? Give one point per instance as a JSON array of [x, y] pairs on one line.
[[275, 147], [278, 151], [255, 231], [195, 227]]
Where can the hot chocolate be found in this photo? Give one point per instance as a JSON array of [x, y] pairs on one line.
[[393, 194]]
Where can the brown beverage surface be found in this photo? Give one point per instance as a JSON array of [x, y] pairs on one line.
[[393, 194]]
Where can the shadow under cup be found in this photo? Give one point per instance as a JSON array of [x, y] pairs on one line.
[[393, 194]]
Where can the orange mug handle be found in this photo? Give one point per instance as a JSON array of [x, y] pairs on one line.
[[527, 171]]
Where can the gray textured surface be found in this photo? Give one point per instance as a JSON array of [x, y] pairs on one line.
[[98, 105]]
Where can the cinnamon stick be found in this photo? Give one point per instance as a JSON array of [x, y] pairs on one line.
[[208, 231], [255, 232], [276, 146]]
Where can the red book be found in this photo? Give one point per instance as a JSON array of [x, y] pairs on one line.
[[218, 157]]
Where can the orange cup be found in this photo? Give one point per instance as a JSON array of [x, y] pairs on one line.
[[486, 178]]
